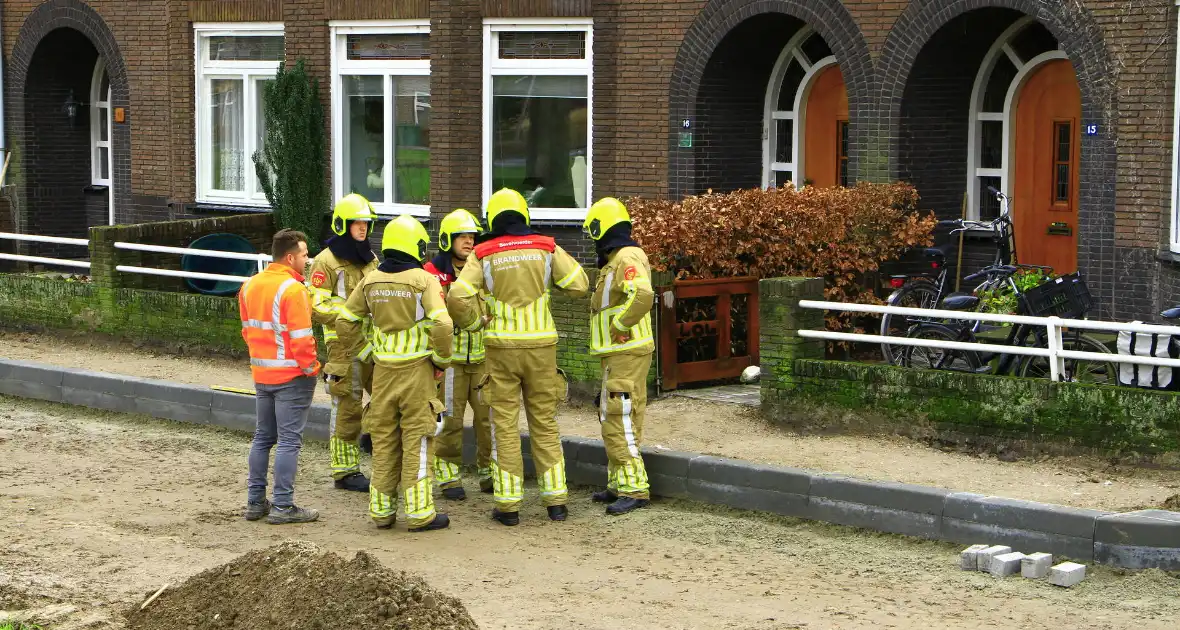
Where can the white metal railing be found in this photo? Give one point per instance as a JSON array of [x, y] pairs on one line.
[[45, 260], [260, 260], [1052, 325]]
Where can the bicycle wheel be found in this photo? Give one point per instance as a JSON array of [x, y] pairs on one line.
[[932, 358], [1076, 370], [913, 294]]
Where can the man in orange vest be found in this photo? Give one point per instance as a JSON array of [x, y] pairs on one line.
[[276, 324]]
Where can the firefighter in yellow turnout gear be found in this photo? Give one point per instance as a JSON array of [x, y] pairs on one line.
[[621, 334], [335, 274], [461, 382], [409, 340], [515, 269]]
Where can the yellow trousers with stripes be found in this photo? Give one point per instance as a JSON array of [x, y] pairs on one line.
[[461, 387], [622, 403], [345, 419], [531, 372], [401, 421]]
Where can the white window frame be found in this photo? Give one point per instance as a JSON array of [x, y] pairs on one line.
[[248, 72], [793, 51], [99, 101], [1174, 228], [342, 66], [1024, 69], [493, 66]]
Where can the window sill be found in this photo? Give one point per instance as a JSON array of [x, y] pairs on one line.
[[94, 189], [1168, 256], [206, 206]]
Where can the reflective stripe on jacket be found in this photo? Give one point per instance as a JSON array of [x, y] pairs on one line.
[[332, 281], [514, 276], [276, 325], [468, 345], [622, 303]]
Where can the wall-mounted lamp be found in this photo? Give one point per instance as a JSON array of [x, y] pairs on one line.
[[71, 107]]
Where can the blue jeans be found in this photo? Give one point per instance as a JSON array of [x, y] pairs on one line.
[[282, 416]]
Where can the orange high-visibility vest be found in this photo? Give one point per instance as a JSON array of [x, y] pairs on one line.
[[276, 324]]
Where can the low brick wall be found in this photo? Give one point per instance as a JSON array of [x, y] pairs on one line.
[[173, 320], [256, 228], [1033, 411]]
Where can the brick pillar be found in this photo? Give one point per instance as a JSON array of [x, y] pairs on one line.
[[779, 344], [456, 89]]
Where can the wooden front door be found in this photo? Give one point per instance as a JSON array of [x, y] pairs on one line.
[[826, 136], [1045, 190]]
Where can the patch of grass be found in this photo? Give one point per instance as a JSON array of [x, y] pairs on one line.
[[19, 625]]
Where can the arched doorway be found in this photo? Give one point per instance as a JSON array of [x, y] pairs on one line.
[[1024, 140], [67, 106], [806, 120]]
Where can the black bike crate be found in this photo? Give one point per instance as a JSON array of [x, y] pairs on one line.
[[1066, 297]]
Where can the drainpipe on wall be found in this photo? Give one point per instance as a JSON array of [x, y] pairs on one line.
[[3, 136]]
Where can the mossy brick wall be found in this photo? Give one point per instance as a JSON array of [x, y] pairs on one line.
[[1119, 419], [256, 228], [779, 345], [174, 320]]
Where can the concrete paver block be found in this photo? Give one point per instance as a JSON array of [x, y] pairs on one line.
[[984, 559], [1067, 574], [1035, 566], [887, 494], [1006, 564], [969, 557]]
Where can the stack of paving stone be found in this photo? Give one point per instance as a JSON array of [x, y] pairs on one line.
[[1001, 561]]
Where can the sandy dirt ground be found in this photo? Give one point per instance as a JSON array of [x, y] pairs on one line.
[[716, 429], [98, 510]]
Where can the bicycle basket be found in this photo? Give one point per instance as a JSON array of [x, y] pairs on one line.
[[1065, 297]]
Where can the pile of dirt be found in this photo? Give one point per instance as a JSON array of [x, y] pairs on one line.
[[296, 585]]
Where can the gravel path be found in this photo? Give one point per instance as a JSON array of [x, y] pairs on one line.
[[98, 510]]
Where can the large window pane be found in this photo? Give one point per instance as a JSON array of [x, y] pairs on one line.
[[227, 133], [364, 136], [412, 140], [539, 138]]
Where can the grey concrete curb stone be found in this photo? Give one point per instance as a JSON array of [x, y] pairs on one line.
[[1137, 540], [748, 486], [887, 506], [1062, 531]]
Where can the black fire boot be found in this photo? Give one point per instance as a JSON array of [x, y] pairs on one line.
[[626, 504], [456, 493], [604, 496], [506, 518], [441, 521], [557, 512], [357, 482]]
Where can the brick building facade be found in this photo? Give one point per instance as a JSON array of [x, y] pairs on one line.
[[676, 99]]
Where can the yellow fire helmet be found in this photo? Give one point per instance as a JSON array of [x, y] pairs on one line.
[[405, 234], [505, 200], [351, 207], [603, 215], [458, 222]]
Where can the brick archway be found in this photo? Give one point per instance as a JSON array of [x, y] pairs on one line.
[[1081, 38], [828, 17], [76, 15]]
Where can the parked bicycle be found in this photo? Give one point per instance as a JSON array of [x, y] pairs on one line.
[[929, 290], [1066, 297]]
